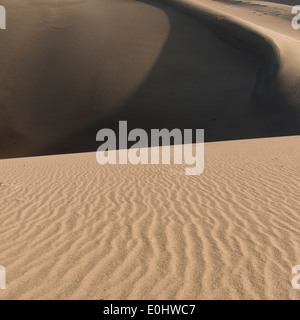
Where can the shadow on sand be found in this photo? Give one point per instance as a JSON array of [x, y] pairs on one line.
[[198, 82]]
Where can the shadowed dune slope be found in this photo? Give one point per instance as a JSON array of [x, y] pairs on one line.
[[72, 68]]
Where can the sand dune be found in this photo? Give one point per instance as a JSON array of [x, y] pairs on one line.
[[267, 36], [71, 68], [68, 63], [72, 229]]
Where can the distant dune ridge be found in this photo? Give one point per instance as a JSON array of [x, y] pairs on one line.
[[72, 229]]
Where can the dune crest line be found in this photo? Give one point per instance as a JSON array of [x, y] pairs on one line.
[[245, 36]]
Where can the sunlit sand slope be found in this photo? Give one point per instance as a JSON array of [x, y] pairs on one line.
[[70, 228]]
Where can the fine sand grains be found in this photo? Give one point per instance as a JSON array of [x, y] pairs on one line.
[[70, 228]]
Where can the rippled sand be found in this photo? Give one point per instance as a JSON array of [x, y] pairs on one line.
[[73, 229], [70, 228]]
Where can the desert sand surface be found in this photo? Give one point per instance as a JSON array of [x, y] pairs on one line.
[[273, 15], [73, 229]]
